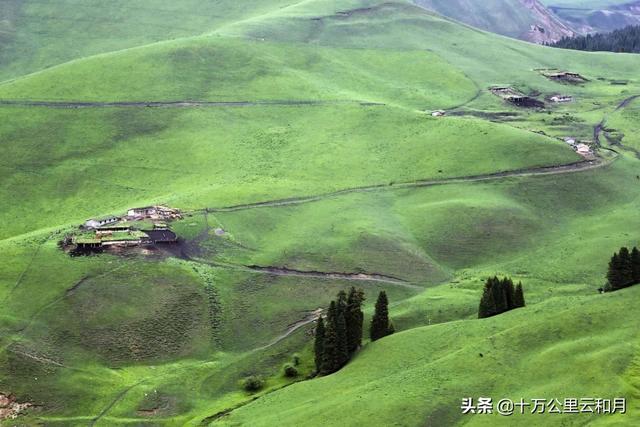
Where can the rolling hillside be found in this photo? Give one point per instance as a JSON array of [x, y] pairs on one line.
[[37, 34], [298, 141]]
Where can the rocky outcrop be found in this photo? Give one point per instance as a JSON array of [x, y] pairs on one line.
[[600, 20], [547, 27], [524, 19]]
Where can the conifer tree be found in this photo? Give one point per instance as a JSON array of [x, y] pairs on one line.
[[341, 302], [614, 274], [511, 294], [635, 265], [330, 354], [499, 295], [354, 318], [342, 351], [380, 321], [487, 304], [518, 296], [319, 344], [626, 268]]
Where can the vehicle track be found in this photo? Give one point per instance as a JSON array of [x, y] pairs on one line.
[[178, 104], [282, 271], [537, 171]]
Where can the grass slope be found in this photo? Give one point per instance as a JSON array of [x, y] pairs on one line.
[[114, 340], [424, 373], [35, 35]]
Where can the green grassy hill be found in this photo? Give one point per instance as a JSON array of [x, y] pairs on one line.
[[420, 375], [35, 35], [320, 110]]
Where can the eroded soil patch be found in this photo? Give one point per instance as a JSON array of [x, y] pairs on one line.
[[10, 408]]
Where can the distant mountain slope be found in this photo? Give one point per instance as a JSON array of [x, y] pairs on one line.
[[624, 40], [597, 15], [524, 19]]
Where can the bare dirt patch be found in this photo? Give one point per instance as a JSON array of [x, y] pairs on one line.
[[10, 408]]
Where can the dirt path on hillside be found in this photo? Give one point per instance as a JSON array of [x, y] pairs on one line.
[[309, 318], [366, 277], [26, 269], [600, 128], [178, 104], [327, 275], [626, 102], [527, 172], [115, 400]]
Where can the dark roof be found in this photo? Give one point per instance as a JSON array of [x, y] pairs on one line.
[[160, 236]]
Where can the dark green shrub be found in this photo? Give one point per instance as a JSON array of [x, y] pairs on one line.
[[290, 371], [252, 383]]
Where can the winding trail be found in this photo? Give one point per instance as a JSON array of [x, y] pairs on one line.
[[582, 165], [115, 400], [364, 277], [600, 128], [309, 318], [178, 104], [330, 275]]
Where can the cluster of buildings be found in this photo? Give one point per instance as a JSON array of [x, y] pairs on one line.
[[558, 99], [564, 76], [516, 97], [140, 226], [581, 148]]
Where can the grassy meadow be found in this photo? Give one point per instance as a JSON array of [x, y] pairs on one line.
[[327, 96]]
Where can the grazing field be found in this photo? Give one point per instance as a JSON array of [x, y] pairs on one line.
[[36, 34], [298, 141], [522, 353]]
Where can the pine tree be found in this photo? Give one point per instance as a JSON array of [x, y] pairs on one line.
[[509, 290], [518, 296], [635, 265], [341, 302], [330, 354], [319, 343], [626, 268], [487, 304], [342, 351], [614, 274], [380, 321], [354, 318], [499, 296]]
